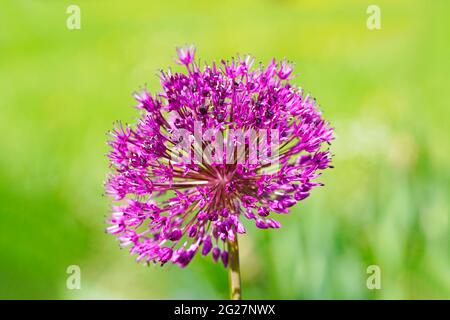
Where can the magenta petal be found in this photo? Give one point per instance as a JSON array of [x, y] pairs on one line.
[[261, 224], [224, 258]]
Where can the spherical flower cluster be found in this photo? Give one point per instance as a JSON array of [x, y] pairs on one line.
[[167, 210]]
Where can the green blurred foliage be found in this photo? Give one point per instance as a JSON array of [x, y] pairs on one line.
[[385, 91]]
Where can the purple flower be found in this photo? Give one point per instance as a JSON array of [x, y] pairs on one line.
[[186, 54], [175, 194], [285, 70], [224, 258]]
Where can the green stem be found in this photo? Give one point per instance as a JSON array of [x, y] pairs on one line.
[[235, 274]]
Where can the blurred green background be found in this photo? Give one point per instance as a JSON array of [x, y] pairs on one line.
[[385, 91]]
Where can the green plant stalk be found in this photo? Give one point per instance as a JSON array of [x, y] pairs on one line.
[[235, 273]]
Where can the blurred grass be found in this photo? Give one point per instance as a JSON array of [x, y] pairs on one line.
[[385, 203]]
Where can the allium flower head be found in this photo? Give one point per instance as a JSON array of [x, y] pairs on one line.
[[218, 145]]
